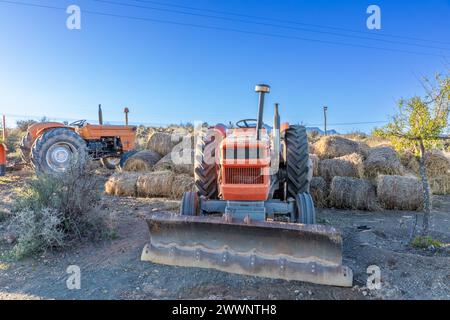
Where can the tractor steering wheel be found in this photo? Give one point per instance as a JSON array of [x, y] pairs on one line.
[[246, 123], [78, 123]]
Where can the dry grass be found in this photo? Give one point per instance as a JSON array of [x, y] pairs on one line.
[[400, 193], [382, 160], [353, 193]]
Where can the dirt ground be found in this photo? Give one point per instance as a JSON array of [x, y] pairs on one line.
[[112, 269]]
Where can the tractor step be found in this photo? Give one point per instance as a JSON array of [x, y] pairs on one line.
[[311, 253]]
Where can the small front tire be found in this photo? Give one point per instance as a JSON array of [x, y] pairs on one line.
[[190, 204]]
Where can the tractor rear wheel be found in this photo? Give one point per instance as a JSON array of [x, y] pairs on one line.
[[298, 165], [205, 169], [57, 150], [189, 204]]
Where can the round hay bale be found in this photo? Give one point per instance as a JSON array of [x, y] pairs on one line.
[[181, 184], [382, 160], [440, 184], [315, 163], [122, 184], [162, 142], [155, 184], [437, 163], [184, 160], [319, 191], [409, 161], [353, 193], [399, 192], [335, 146], [142, 161], [345, 166]]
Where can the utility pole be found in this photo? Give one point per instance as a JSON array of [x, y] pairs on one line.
[[325, 109]]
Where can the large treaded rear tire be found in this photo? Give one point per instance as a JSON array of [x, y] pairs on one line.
[[298, 166], [53, 137], [205, 173]]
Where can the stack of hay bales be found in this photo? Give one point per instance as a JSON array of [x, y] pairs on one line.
[[350, 175], [400, 193], [149, 184], [382, 161]]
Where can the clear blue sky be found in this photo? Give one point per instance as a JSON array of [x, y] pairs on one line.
[[168, 73]]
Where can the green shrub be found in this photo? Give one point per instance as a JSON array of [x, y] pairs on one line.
[[36, 231], [424, 242], [53, 210]]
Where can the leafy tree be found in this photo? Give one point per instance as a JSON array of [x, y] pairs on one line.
[[419, 125]]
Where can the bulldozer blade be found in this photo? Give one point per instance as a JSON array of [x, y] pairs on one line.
[[310, 253]]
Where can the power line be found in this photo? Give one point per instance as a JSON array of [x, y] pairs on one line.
[[290, 21], [268, 24], [225, 29]]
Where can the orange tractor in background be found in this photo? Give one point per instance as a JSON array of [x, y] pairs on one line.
[[52, 147]]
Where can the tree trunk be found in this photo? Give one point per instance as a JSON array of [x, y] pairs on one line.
[[426, 190]]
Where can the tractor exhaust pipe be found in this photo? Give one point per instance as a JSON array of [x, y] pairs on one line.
[[100, 115], [262, 89], [126, 111]]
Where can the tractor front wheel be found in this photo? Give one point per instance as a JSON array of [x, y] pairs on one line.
[[56, 150], [189, 204]]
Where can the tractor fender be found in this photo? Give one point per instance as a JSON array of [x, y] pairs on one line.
[[52, 126]]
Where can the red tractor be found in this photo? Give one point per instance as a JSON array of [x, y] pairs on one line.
[[251, 212]]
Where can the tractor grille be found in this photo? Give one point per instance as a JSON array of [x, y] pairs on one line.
[[244, 175]]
